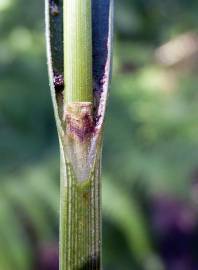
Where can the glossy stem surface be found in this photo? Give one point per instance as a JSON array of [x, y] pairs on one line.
[[77, 50]]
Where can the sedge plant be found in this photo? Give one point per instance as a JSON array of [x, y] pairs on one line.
[[79, 42]]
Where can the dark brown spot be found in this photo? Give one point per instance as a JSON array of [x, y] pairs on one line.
[[86, 195], [58, 83], [54, 7]]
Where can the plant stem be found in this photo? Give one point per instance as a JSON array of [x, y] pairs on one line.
[[69, 28], [80, 233], [77, 50], [80, 171]]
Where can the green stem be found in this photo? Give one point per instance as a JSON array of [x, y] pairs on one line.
[[80, 235], [77, 51]]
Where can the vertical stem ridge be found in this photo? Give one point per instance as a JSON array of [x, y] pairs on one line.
[[80, 221]]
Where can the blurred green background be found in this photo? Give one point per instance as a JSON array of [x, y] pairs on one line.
[[150, 164]]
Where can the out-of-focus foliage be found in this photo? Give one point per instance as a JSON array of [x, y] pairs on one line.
[[150, 177]]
